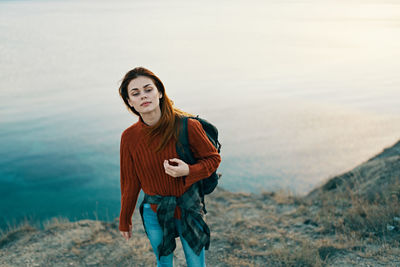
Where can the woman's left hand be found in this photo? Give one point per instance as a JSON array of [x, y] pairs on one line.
[[181, 168]]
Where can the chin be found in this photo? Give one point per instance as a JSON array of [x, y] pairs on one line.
[[148, 110]]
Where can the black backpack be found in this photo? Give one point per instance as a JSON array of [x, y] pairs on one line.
[[207, 185]]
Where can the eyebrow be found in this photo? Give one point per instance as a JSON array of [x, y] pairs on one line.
[[138, 88]]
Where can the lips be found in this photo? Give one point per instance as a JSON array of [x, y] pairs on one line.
[[145, 103]]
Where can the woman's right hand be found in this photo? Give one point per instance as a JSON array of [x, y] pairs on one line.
[[127, 235]]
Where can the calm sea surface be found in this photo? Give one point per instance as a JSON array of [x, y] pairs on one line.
[[300, 91]]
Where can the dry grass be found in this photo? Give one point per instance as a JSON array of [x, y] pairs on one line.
[[270, 229], [304, 254], [56, 222], [374, 217], [283, 196]]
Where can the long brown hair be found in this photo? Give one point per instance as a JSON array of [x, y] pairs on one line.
[[168, 124]]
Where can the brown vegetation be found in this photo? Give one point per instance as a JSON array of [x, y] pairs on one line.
[[352, 220]]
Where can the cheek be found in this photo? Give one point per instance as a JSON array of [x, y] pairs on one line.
[[157, 101], [155, 97], [134, 102]]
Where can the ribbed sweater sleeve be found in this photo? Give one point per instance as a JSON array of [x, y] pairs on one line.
[[204, 151], [130, 184]]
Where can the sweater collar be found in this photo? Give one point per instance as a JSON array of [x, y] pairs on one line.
[[142, 123]]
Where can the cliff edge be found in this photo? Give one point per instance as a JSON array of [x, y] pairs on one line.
[[352, 220]]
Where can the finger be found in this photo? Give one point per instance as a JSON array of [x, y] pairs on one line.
[[170, 172], [166, 166], [173, 168], [170, 168], [124, 235], [176, 160], [167, 171]]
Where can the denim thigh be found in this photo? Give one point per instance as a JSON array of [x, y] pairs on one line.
[[155, 234], [192, 259]]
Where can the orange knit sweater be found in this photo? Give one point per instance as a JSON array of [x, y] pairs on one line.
[[141, 168]]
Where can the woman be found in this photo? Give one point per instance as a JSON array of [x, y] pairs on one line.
[[148, 161]]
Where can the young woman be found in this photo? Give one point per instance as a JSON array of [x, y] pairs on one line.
[[148, 161]]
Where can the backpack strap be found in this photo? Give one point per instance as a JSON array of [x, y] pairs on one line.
[[183, 146], [184, 152]]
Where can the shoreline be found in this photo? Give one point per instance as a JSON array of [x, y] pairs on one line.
[[353, 219]]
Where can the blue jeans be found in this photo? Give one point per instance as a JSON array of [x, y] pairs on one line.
[[155, 235]]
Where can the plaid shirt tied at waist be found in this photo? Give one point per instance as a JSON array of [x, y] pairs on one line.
[[191, 210]]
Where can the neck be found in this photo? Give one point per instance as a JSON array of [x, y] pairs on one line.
[[151, 118]]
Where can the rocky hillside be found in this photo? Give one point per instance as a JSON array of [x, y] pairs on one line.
[[352, 220], [380, 175]]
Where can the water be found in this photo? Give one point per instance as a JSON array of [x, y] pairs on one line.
[[300, 91]]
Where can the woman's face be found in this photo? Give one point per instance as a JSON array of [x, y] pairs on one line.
[[144, 96]]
